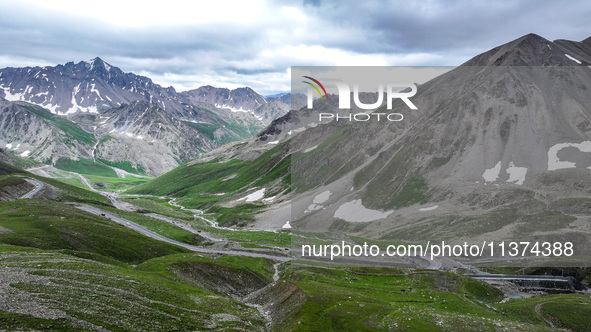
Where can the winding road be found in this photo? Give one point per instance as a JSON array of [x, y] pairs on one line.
[[38, 186], [185, 227], [145, 231], [289, 254]]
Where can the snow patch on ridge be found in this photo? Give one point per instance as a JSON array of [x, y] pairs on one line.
[[21, 97], [238, 110], [430, 208], [12, 96], [318, 200], [492, 174], [310, 149], [554, 163], [255, 196], [322, 197], [354, 211], [516, 174], [573, 58], [75, 107]]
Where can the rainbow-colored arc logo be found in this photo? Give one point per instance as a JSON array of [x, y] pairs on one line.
[[315, 87]]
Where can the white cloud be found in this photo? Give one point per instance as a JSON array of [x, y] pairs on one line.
[[144, 13], [236, 43]]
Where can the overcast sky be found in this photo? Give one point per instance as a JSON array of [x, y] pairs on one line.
[[253, 43]]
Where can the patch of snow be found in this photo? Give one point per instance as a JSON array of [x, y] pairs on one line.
[[90, 63], [548, 46], [354, 211], [9, 146], [12, 96], [318, 200], [130, 135], [430, 208], [555, 163], [94, 89], [287, 225], [273, 143], [491, 174], [241, 110], [311, 149], [234, 110], [573, 58], [269, 199], [313, 207], [255, 196], [52, 108], [322, 197], [25, 154], [77, 108], [516, 174]]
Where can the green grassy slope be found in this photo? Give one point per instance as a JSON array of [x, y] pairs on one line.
[[199, 182], [71, 193], [84, 166], [65, 192], [116, 297], [13, 159], [106, 183], [572, 312], [52, 225], [126, 166], [6, 169], [382, 299]]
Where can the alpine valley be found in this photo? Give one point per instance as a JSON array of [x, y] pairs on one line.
[[126, 206]]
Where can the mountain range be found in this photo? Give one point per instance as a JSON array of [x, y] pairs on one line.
[[66, 113]]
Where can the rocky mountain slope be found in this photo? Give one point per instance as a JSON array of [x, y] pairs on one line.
[[32, 131], [493, 135]]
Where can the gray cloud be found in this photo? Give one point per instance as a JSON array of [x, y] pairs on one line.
[[258, 53]]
